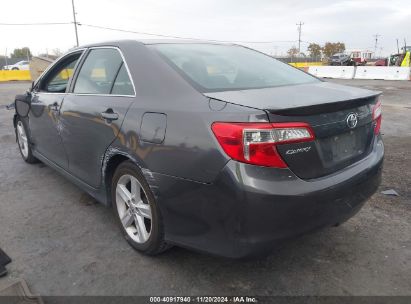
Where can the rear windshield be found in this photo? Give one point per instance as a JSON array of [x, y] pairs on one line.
[[213, 67]]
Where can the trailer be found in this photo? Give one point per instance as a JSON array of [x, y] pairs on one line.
[[361, 57]]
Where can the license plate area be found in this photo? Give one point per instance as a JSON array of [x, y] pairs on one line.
[[342, 147], [346, 145]]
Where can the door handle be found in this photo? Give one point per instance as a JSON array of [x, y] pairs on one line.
[[54, 107], [109, 115]]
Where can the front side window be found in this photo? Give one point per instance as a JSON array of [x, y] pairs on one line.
[[213, 67], [57, 79], [99, 72]]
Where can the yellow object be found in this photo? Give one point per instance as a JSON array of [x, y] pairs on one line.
[[66, 73], [14, 75], [406, 61], [304, 64], [98, 73]]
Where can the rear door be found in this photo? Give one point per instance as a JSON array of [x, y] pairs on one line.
[[47, 98], [93, 111]]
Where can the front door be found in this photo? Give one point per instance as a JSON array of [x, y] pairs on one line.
[[93, 112], [44, 119]]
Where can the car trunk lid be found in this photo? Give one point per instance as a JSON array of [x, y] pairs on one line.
[[331, 110], [340, 141]]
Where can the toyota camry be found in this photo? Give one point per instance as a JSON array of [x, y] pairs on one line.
[[214, 147]]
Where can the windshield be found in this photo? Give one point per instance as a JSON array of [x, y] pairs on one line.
[[212, 67]]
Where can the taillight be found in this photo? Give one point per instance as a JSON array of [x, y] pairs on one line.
[[255, 143], [376, 116]]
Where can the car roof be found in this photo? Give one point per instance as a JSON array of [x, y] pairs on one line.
[[150, 41]]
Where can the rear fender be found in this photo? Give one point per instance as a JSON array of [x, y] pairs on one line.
[[116, 150]]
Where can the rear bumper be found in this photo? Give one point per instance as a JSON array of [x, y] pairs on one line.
[[250, 209]]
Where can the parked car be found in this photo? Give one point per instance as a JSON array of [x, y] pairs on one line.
[[381, 62], [21, 65], [213, 147], [341, 59]]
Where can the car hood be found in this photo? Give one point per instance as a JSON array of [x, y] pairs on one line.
[[295, 96]]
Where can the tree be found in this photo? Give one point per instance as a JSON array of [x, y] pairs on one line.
[[331, 48], [314, 50], [293, 51], [57, 52], [21, 53]]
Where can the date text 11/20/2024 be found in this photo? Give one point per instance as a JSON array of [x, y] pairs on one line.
[[204, 299]]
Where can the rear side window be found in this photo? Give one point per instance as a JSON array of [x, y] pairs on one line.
[[100, 71], [122, 85]]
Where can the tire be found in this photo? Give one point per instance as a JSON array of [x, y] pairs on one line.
[[136, 210], [24, 142], [15, 69]]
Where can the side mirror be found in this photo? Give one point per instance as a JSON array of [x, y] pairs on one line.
[[23, 104]]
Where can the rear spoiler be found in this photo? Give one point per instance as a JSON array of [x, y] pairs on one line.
[[326, 108]]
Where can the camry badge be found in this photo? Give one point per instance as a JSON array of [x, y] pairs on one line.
[[352, 120], [299, 150]]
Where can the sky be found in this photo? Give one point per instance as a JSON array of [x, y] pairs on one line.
[[354, 22]]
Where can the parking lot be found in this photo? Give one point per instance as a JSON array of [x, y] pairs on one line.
[[64, 243]]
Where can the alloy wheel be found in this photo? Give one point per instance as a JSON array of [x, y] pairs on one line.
[[133, 208]]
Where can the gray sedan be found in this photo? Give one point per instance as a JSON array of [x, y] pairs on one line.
[[214, 147]]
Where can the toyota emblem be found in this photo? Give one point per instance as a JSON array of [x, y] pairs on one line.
[[352, 120]]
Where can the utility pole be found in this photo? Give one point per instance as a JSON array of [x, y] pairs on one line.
[[398, 48], [376, 44], [75, 21], [299, 36]]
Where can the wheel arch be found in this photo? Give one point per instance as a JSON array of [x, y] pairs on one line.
[[109, 167], [112, 159]]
